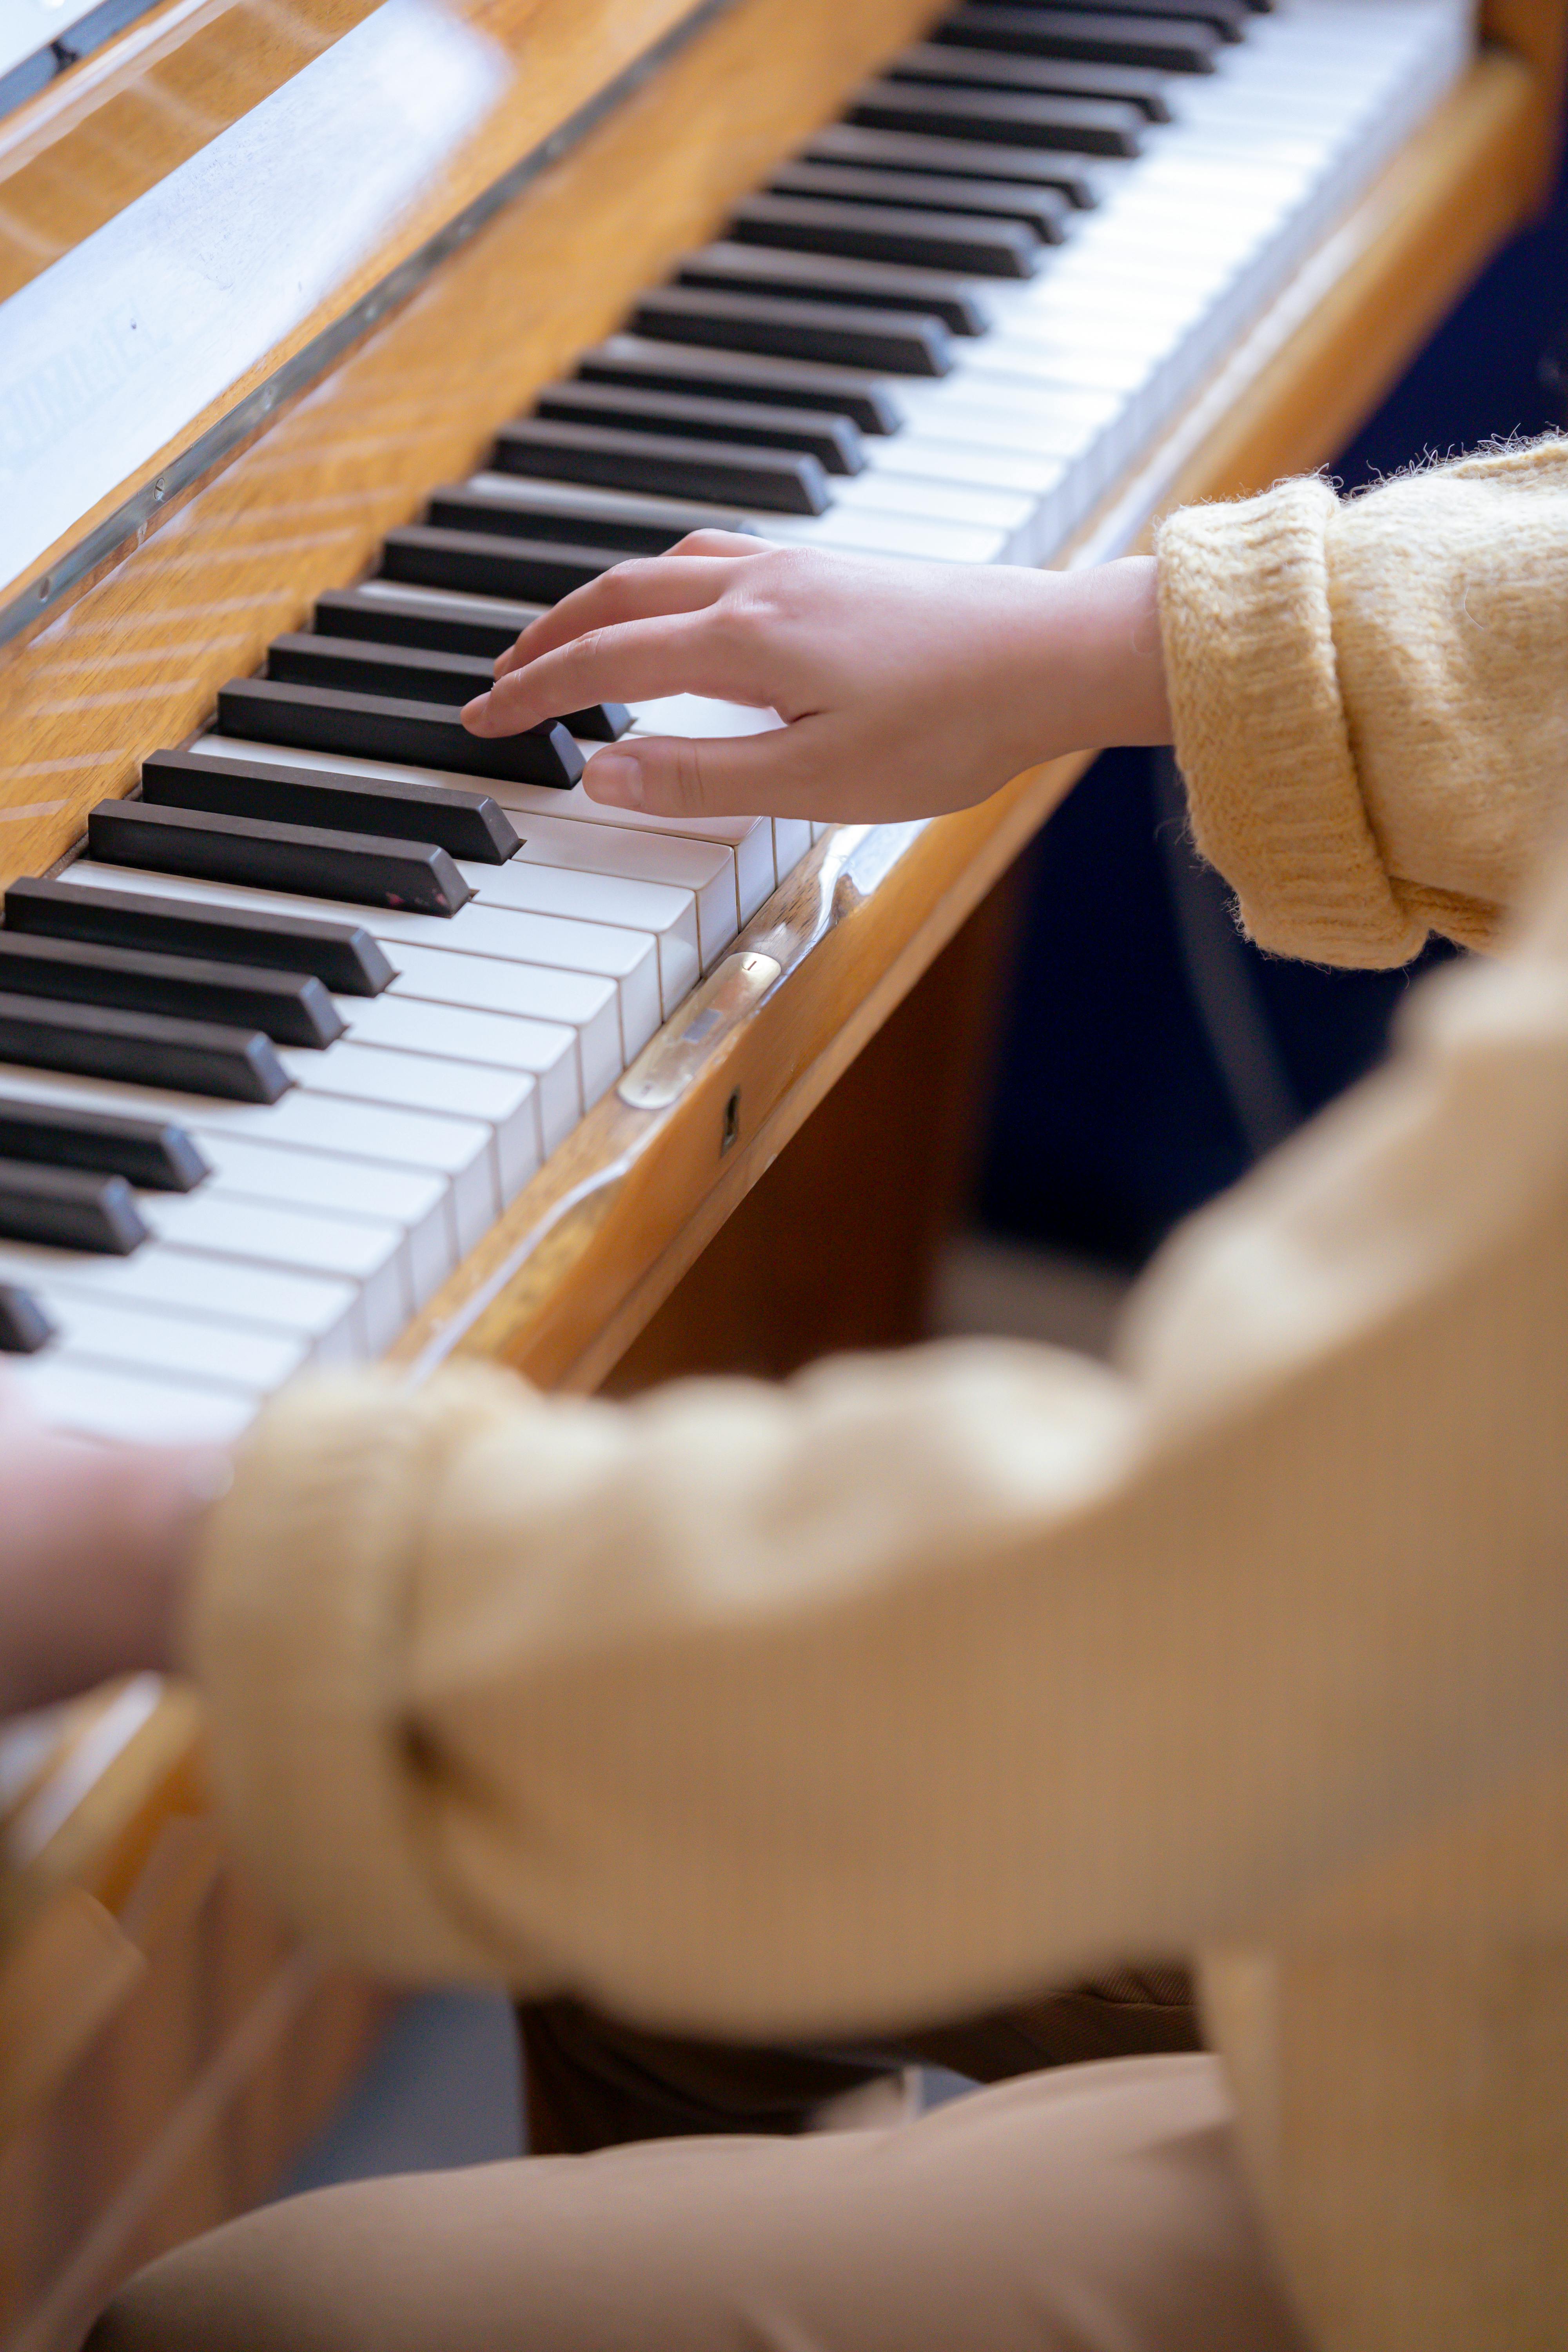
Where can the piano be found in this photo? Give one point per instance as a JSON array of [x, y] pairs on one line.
[[329, 1034]]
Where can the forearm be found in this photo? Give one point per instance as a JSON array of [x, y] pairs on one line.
[[921, 1681]]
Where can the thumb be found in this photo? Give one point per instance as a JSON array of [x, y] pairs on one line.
[[679, 775]]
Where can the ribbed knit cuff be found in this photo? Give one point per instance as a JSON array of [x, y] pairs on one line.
[[297, 1632], [1260, 730]]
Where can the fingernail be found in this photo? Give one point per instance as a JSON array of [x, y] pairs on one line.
[[474, 714], [612, 777]]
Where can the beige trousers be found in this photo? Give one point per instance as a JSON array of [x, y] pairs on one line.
[[1091, 2209]]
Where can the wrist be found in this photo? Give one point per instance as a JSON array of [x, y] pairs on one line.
[[1098, 671]]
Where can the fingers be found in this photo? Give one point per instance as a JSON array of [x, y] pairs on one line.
[[730, 775], [677, 652], [695, 573], [727, 544]]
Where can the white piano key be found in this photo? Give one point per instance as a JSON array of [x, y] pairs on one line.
[[629, 958], [668, 916], [589, 1007], [1113, 366], [706, 868], [367, 1252], [869, 533], [460, 1149], [104, 1403], [747, 836], [508, 1101], [699, 715], [546, 1050], [792, 839], [410, 1198], [992, 465], [322, 1313], [100, 1331], [887, 492], [506, 934]]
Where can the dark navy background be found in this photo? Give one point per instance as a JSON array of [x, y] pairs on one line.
[[1113, 1112]]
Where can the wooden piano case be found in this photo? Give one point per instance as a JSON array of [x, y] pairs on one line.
[[165, 2046]]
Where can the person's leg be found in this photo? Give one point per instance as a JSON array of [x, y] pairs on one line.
[[592, 2082], [1100, 2208]]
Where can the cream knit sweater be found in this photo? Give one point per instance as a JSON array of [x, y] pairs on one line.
[[919, 1682]]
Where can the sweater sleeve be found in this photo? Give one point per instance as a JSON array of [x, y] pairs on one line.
[[917, 1682], [1370, 699]]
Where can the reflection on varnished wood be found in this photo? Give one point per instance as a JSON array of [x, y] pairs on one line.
[[115, 125], [835, 1246]]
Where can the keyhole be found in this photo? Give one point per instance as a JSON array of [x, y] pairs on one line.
[[732, 1133]]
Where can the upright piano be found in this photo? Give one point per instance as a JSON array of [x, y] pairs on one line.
[[335, 342]]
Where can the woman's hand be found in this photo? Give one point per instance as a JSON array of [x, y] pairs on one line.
[[96, 1543], [906, 688]]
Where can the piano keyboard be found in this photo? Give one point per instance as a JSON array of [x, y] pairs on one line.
[[279, 1045]]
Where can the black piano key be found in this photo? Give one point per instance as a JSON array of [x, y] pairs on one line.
[[1044, 210], [481, 564], [67, 1209], [343, 956], [662, 464], [140, 1049], [1077, 126], [1100, 37], [755, 270], [346, 614], [861, 232], [907, 345], [370, 872], [149, 1152], [416, 734], [465, 824], [631, 359], [1228, 18], [291, 1007], [945, 60], [421, 621], [834, 441], [461, 507], [25, 1328], [852, 146]]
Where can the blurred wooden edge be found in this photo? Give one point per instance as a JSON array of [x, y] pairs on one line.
[[1537, 32], [600, 1218]]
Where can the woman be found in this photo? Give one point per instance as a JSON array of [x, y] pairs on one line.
[[920, 1683]]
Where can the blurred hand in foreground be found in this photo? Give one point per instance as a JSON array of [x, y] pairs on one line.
[[96, 1543], [906, 688]]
